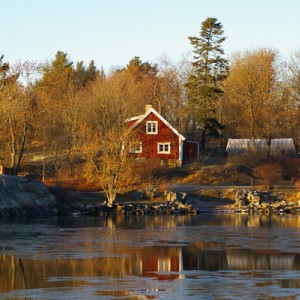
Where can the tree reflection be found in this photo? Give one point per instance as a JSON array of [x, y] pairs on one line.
[[160, 262], [94, 251]]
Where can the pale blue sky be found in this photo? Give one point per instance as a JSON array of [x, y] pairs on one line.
[[113, 31]]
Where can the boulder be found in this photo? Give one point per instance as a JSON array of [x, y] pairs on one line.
[[253, 198], [180, 196], [171, 196], [25, 196]]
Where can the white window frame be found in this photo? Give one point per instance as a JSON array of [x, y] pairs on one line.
[[136, 147], [153, 127], [164, 264], [164, 151]]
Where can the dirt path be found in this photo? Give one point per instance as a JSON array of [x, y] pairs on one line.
[[186, 188]]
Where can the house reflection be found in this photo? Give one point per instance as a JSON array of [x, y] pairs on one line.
[[159, 262], [156, 262]]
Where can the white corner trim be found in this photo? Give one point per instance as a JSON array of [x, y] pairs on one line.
[[180, 145]]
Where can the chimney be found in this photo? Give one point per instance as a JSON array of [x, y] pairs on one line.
[[147, 107]]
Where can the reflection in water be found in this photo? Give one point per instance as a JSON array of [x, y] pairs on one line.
[[178, 257], [155, 262], [159, 262]]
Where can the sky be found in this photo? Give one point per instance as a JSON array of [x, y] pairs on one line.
[[112, 32]]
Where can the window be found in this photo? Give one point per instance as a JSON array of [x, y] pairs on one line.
[[151, 127], [163, 148], [164, 265], [135, 147]]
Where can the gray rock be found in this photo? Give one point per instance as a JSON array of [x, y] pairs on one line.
[[171, 196], [90, 207], [26, 195], [180, 196], [253, 198]]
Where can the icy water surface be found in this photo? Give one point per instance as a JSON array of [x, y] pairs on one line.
[[188, 257]]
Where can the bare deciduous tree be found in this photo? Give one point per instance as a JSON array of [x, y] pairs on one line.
[[116, 166], [251, 95], [19, 111]]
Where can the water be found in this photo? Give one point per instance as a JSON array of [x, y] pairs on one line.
[[189, 257]]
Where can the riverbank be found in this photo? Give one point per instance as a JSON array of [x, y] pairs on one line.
[[250, 200], [27, 197], [203, 200]]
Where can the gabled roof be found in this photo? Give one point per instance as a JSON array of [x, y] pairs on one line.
[[134, 118], [141, 118]]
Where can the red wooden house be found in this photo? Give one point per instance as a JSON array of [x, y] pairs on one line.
[[156, 138]]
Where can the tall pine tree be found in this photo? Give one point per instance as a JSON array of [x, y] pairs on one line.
[[204, 84]]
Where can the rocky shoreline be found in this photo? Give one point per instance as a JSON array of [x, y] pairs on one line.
[[249, 201], [29, 198], [265, 202], [165, 208]]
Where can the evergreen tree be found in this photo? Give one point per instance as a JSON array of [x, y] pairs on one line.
[[3, 69], [3, 66], [5, 77], [58, 75], [204, 83], [140, 70], [85, 74]]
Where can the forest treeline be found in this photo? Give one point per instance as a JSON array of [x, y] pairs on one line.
[[52, 112]]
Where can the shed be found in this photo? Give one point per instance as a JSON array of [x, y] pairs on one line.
[[284, 146], [190, 151]]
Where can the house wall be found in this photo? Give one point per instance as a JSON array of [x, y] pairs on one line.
[[130, 123], [150, 141]]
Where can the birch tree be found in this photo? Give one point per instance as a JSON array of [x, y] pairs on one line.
[[19, 111], [116, 166]]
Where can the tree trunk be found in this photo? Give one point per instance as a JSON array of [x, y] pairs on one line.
[[202, 140], [22, 147], [12, 146]]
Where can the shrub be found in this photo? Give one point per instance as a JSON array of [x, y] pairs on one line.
[[269, 172]]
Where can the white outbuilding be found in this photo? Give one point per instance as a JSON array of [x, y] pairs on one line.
[[240, 146], [278, 147], [282, 147]]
